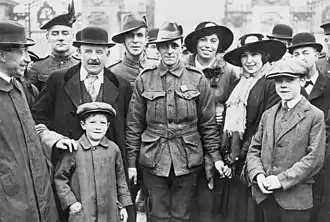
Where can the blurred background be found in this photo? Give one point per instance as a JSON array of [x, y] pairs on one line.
[[241, 16]]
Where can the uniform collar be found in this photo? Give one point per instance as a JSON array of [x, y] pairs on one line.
[[84, 74], [176, 70], [86, 144], [60, 57], [130, 62]]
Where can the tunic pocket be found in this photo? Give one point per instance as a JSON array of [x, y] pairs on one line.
[[186, 103], [194, 150], [155, 104], [149, 149]]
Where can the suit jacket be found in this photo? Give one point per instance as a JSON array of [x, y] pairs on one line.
[[58, 101], [295, 156]]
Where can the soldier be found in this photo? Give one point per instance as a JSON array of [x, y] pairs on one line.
[[323, 64], [60, 37], [134, 38]]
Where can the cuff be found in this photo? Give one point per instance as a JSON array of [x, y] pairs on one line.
[[283, 181], [68, 200]]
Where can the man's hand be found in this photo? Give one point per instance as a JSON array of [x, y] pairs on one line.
[[66, 143], [220, 166], [123, 215], [75, 207], [272, 183], [132, 174], [261, 180]]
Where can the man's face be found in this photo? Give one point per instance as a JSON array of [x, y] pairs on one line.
[[307, 54], [15, 61], [152, 51], [207, 46], [93, 58], [136, 41], [327, 42], [288, 88], [60, 38], [170, 52], [95, 126]]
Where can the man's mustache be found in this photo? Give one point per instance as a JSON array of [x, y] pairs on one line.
[[94, 63]]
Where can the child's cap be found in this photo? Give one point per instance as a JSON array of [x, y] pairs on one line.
[[96, 107], [290, 67]]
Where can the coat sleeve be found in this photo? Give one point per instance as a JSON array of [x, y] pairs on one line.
[[135, 124], [253, 158], [206, 121], [310, 164], [63, 173], [124, 196]]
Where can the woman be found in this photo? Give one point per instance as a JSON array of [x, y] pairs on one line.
[[251, 96], [206, 43]]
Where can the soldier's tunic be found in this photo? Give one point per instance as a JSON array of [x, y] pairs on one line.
[[38, 72], [323, 64]]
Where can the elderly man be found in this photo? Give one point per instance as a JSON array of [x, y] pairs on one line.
[[59, 36], [171, 120], [25, 185], [85, 82], [323, 64]]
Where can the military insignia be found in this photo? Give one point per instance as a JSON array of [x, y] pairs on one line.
[[184, 88]]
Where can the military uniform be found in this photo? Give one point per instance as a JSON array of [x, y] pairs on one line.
[[323, 64], [38, 72]]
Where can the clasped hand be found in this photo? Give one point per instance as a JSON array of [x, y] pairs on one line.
[[268, 184]]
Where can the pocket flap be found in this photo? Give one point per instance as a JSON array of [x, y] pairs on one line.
[[190, 94], [149, 138], [193, 139], [151, 95]]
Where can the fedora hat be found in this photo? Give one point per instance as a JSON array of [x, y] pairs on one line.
[[168, 32], [92, 36], [206, 28], [304, 39], [281, 31], [255, 42], [326, 28], [290, 67], [131, 22], [13, 33]]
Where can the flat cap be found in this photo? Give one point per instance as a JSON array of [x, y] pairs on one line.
[[96, 107], [290, 67]]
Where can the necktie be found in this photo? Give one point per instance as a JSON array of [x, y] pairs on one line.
[[309, 82], [286, 107], [91, 86]]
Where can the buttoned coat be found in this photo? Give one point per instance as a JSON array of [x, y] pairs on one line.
[[295, 156]]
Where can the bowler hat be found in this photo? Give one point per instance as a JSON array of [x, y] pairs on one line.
[[281, 31], [168, 32], [93, 107], [290, 67], [92, 36], [255, 42], [152, 34], [131, 22], [208, 28], [13, 33], [326, 28], [304, 39]]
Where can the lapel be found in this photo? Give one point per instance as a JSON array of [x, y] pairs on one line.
[[5, 86], [110, 87], [319, 88], [270, 124], [72, 84], [296, 117]]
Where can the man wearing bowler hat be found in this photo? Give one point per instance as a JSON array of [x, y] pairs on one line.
[[59, 36], [282, 33], [134, 38], [88, 81], [170, 124], [317, 87], [323, 64], [25, 182]]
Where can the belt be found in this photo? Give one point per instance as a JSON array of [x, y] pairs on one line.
[[170, 133]]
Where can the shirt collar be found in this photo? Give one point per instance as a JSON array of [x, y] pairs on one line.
[[293, 102], [5, 77], [176, 70], [87, 144], [314, 78], [84, 73], [199, 65]]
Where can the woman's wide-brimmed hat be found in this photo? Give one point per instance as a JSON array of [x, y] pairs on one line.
[[281, 31], [92, 36], [255, 42], [304, 39], [168, 32], [206, 28], [131, 22], [13, 33]]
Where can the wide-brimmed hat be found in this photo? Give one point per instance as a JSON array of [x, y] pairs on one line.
[[256, 42], [152, 34], [93, 107], [304, 39], [131, 22], [13, 33], [281, 31], [168, 32], [326, 28], [290, 67], [92, 36], [206, 28]]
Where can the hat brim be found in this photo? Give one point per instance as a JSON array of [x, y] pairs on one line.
[[108, 112], [276, 49], [226, 37], [120, 37], [279, 37], [79, 43], [165, 40], [274, 75], [315, 45], [29, 42]]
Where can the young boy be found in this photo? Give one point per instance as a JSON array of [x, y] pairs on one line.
[[91, 182], [288, 149]]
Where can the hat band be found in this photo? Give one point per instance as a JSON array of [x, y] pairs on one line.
[[163, 34]]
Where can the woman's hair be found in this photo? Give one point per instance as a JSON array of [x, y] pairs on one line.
[[85, 116], [265, 56]]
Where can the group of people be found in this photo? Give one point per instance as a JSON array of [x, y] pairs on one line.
[[180, 127]]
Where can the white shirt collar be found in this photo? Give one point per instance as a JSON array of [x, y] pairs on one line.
[[199, 66], [314, 78], [5, 77], [84, 73], [293, 102]]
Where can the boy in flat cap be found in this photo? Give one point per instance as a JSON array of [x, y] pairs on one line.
[[287, 149], [91, 182], [59, 36]]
